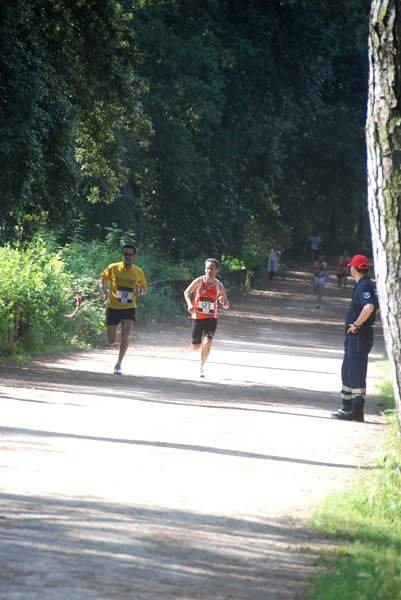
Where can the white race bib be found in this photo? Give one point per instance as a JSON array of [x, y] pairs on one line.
[[124, 295], [206, 307]]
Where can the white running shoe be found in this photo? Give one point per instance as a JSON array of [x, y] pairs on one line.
[[117, 369]]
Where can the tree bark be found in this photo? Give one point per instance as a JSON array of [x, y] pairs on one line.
[[383, 136]]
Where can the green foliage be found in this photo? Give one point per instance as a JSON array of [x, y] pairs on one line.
[[34, 290], [68, 92], [231, 263], [365, 520], [258, 116], [205, 127]]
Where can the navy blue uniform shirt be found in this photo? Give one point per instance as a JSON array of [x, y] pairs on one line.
[[364, 293]]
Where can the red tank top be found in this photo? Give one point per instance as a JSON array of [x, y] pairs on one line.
[[320, 268], [205, 299], [342, 267]]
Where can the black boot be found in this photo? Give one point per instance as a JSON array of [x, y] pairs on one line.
[[355, 414], [346, 407]]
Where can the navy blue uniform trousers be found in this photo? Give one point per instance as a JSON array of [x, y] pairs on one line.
[[355, 364]]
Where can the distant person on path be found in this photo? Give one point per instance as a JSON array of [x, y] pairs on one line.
[[359, 319], [272, 265], [315, 246], [320, 275], [207, 292], [126, 282], [342, 270]]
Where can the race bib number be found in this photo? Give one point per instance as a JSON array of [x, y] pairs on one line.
[[206, 307], [124, 295]]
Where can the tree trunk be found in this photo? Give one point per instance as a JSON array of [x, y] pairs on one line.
[[383, 133]]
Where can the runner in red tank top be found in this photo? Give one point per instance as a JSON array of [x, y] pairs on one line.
[[342, 270], [207, 293]]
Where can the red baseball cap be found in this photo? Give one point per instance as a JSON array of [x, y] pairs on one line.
[[359, 261]]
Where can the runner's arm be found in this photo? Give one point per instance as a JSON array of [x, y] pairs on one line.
[[363, 316], [188, 293], [223, 297], [103, 292], [141, 291]]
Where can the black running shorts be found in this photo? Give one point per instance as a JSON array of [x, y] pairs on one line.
[[115, 315], [203, 328]]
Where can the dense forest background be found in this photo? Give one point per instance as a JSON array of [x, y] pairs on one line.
[[216, 127]]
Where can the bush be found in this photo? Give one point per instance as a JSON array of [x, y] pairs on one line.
[[34, 291]]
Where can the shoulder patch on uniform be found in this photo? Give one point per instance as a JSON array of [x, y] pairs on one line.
[[366, 295]]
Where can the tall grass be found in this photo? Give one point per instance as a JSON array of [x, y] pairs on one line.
[[364, 521]]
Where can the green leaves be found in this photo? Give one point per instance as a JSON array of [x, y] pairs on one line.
[[182, 119], [68, 92], [250, 104], [35, 293]]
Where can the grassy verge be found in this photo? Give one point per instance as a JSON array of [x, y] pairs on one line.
[[364, 522]]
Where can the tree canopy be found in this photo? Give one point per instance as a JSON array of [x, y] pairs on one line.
[[210, 125], [67, 87]]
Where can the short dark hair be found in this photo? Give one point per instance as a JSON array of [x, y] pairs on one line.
[[363, 271], [130, 246], [213, 260]]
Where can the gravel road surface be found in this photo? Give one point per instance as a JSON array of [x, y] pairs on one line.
[[159, 485]]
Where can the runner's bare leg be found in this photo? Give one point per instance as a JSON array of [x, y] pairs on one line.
[[126, 328], [207, 342], [112, 333]]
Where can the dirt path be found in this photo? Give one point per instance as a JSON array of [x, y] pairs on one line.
[[161, 486]]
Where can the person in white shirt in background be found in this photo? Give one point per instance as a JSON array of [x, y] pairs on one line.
[[272, 266], [316, 244]]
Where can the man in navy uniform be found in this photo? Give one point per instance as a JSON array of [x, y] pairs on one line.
[[359, 319]]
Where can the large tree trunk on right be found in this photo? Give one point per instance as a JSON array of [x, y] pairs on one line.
[[383, 131]]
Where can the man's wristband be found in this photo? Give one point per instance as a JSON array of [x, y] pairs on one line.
[[355, 325], [140, 291]]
